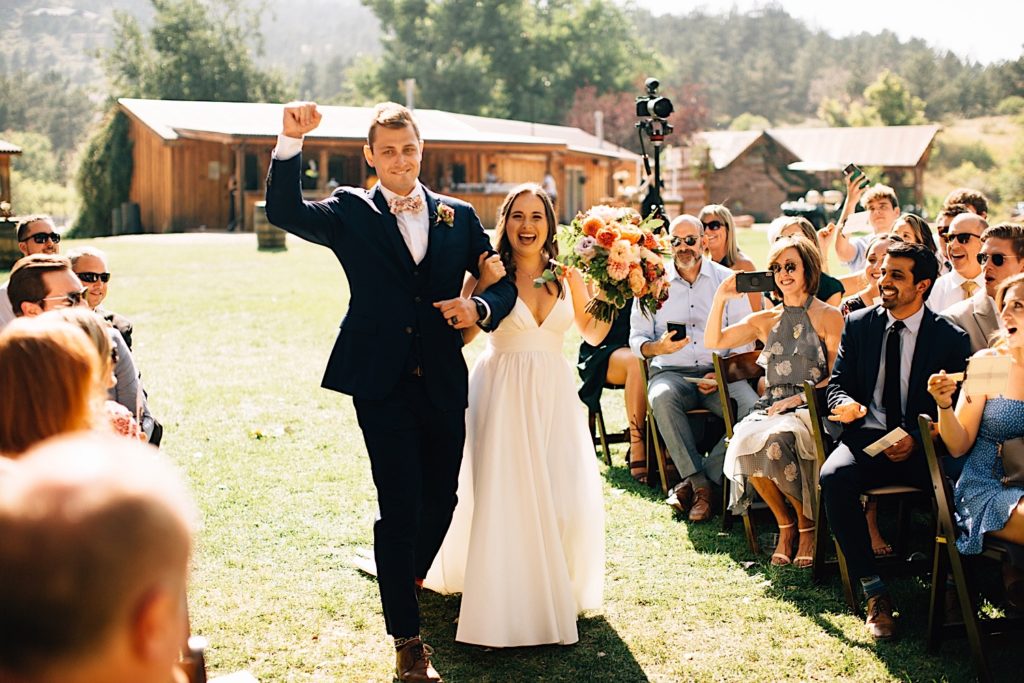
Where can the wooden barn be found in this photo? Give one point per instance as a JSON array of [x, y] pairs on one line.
[[753, 172], [7, 150], [203, 165]]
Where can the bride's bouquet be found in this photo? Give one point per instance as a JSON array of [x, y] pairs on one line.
[[617, 249]]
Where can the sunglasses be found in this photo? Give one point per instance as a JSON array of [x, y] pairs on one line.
[[777, 268], [689, 241], [90, 278], [997, 259], [71, 298], [714, 225], [41, 237], [962, 238]]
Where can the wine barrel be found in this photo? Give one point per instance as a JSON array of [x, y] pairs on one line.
[[267, 236]]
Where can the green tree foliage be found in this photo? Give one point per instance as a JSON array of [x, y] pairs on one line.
[[748, 121], [887, 102], [37, 160], [522, 59], [104, 176], [194, 51]]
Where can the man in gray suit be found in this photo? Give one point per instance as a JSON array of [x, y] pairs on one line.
[[1001, 255]]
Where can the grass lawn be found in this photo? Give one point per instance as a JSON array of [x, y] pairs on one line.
[[232, 343]]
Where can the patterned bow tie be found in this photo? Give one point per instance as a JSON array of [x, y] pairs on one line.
[[401, 204]]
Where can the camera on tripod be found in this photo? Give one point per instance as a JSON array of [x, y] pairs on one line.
[[652, 105]]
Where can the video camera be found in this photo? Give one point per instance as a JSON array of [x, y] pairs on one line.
[[653, 112], [652, 105]]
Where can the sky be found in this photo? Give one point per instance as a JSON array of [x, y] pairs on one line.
[[992, 30]]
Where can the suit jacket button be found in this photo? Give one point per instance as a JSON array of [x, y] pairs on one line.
[[408, 330], [417, 299]]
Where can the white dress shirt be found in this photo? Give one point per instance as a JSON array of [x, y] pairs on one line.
[[415, 227], [947, 290], [875, 419], [6, 310], [691, 305]]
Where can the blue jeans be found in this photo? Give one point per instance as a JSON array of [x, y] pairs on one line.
[[671, 396]]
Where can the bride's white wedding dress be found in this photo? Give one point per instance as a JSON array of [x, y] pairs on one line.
[[526, 545]]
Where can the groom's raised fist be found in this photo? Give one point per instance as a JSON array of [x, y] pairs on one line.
[[300, 118]]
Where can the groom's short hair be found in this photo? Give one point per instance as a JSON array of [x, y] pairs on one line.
[[391, 115]]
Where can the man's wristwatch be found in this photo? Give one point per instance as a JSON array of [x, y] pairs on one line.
[[481, 308]]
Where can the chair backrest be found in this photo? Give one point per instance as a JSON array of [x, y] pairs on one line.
[[821, 447], [734, 368], [940, 484]]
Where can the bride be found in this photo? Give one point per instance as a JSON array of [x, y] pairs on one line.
[[526, 545]]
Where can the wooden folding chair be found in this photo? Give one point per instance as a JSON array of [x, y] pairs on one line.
[[599, 432], [948, 559], [735, 368], [653, 441], [893, 565]]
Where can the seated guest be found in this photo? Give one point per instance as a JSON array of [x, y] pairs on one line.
[[97, 536], [720, 236], [36, 235], [878, 384], [48, 382], [867, 296], [90, 265], [963, 243], [100, 333], [693, 280], [913, 229], [771, 448], [612, 362], [830, 290], [978, 427], [43, 282], [1001, 256]]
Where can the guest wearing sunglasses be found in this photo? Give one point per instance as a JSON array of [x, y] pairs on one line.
[[963, 244], [44, 282], [830, 290], [90, 265], [675, 364], [720, 238], [1001, 257], [771, 451], [36, 235]]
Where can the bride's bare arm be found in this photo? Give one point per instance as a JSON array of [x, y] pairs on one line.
[[469, 288], [592, 330]]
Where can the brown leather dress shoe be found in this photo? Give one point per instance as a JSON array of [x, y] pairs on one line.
[[412, 663], [701, 510], [680, 497], [880, 622]]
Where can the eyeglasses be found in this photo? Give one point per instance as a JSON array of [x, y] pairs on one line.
[[962, 237], [714, 225], [70, 299], [41, 237], [90, 278], [790, 268], [997, 259], [689, 240]]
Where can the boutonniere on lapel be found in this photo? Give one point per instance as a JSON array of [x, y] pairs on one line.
[[445, 214]]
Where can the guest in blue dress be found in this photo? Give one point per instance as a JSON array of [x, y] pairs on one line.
[[978, 426]]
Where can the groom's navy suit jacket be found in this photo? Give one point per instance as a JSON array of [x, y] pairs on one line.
[[941, 345], [391, 325]]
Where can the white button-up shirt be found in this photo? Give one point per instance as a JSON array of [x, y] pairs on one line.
[[948, 290], [690, 305], [875, 419]]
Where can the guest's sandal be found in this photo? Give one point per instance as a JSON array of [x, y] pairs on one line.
[[884, 550], [637, 468], [781, 559], [804, 561]]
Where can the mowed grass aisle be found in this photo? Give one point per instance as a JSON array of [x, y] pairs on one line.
[[232, 343]]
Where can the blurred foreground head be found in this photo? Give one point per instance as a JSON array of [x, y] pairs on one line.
[[96, 540]]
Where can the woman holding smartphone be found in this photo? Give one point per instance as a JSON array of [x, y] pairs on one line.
[[771, 450]]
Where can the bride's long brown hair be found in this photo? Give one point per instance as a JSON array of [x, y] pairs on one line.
[[550, 248]]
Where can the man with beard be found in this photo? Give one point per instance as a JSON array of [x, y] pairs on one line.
[[879, 383], [36, 235], [674, 360]]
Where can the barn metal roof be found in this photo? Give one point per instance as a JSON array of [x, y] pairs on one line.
[[9, 148]]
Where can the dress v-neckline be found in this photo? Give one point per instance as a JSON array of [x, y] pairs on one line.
[[533, 317]]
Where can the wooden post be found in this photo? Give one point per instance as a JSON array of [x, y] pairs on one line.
[[240, 187]]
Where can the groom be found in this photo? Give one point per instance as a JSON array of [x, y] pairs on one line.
[[405, 251]]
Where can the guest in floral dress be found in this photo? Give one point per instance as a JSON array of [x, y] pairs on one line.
[[771, 450]]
